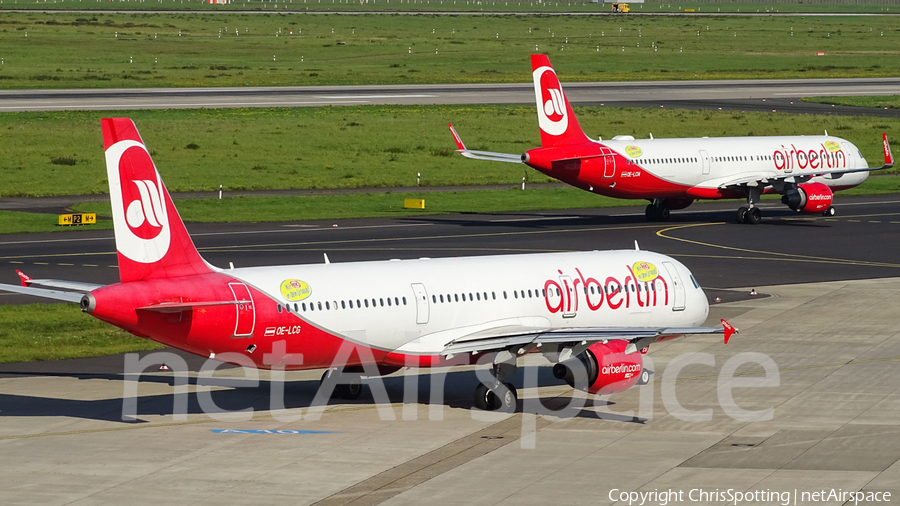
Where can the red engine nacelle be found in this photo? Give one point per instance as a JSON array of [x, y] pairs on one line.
[[602, 368], [810, 198]]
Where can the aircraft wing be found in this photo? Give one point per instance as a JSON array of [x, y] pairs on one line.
[[573, 339], [40, 292], [767, 178], [482, 155]]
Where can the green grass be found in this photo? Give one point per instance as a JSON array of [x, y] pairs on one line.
[[353, 146], [887, 101], [413, 6], [58, 331], [103, 50]]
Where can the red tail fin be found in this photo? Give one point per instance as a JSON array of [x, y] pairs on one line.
[[150, 237], [555, 117]]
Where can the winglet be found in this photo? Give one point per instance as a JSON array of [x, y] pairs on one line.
[[459, 143], [26, 279], [888, 156], [729, 329]]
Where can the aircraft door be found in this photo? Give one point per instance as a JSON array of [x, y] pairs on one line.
[[246, 314], [848, 154], [677, 287], [421, 296], [569, 297], [609, 168], [704, 159]]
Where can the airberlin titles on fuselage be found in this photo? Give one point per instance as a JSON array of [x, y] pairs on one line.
[[642, 282]]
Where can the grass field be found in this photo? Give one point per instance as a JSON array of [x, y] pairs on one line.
[[58, 331], [354, 146], [108, 50], [412, 6], [887, 101]]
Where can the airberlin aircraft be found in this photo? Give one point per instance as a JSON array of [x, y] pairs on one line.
[[592, 314], [805, 170]]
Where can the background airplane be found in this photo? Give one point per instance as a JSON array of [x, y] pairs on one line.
[[673, 173], [593, 314]]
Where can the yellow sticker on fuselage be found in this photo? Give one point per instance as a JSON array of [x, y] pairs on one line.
[[295, 290], [644, 271]]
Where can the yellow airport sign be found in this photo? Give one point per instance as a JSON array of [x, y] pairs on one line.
[[78, 219], [414, 203]]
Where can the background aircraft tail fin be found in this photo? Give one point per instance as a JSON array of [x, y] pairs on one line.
[[558, 124]]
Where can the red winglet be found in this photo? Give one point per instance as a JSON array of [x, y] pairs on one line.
[[26, 279], [459, 142], [729, 329], [888, 156]]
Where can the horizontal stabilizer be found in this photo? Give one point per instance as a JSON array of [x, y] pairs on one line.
[[40, 292], [482, 155], [491, 156], [174, 307], [74, 286]]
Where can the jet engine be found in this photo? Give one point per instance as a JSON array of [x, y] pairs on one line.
[[810, 198], [602, 368]]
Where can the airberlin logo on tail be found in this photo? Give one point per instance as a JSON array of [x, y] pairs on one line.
[[138, 203], [144, 214], [552, 116]]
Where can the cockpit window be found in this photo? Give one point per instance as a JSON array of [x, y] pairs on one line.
[[694, 281]]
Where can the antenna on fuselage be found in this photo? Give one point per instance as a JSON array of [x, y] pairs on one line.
[[636, 247], [326, 259], [826, 133]]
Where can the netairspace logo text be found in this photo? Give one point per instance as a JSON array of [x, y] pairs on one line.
[[732, 496]]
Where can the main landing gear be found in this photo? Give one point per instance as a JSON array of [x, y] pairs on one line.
[[657, 211], [498, 395], [750, 214], [349, 384]]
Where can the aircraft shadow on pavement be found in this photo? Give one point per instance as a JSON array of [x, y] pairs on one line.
[[242, 394]]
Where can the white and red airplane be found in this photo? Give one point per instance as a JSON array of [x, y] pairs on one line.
[[672, 173], [593, 312]]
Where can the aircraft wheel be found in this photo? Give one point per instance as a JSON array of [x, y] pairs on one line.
[[645, 377], [754, 216], [742, 214], [650, 212], [663, 214], [831, 211], [352, 390], [507, 401], [483, 399], [560, 371]]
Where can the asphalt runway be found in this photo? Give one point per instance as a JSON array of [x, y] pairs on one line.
[[764, 95], [859, 243]]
